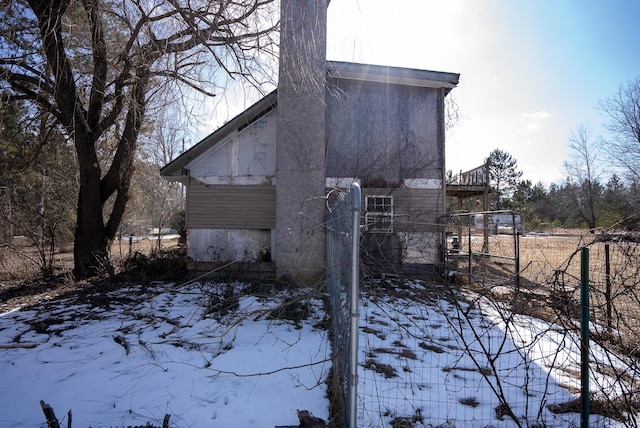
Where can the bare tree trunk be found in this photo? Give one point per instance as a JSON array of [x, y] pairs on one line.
[[90, 241], [111, 93], [92, 235]]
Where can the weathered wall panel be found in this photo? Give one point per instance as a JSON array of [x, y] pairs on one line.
[[382, 132], [249, 153], [415, 210], [225, 245]]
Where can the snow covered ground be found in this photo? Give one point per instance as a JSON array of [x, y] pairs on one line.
[[218, 355], [433, 357], [144, 352]]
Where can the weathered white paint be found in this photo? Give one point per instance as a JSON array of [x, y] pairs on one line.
[[340, 182], [239, 180], [422, 183], [420, 247], [246, 157], [225, 245]]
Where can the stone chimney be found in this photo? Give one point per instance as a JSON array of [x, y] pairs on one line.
[[301, 143]]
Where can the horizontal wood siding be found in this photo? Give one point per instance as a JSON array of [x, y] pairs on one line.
[[231, 207], [415, 210]]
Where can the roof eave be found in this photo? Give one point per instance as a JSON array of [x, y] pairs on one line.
[[392, 75], [176, 167]]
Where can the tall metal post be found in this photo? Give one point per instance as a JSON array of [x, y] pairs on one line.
[[584, 308], [470, 252], [607, 291], [352, 402], [516, 249]]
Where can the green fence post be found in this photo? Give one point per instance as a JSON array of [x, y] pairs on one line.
[[352, 399], [584, 348]]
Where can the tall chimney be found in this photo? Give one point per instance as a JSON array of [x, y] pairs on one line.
[[300, 149]]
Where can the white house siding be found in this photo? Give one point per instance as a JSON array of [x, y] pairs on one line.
[[247, 156], [230, 197], [387, 136], [225, 245]]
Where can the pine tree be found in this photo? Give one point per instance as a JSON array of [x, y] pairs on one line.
[[503, 177]]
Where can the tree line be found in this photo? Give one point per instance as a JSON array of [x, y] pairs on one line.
[[576, 202], [601, 188]]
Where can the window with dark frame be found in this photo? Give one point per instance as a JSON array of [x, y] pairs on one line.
[[379, 213]]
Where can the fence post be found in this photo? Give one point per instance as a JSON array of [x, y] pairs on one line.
[[516, 249], [584, 307], [607, 292], [470, 252], [355, 280]]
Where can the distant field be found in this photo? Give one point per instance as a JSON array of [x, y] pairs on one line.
[[22, 260], [550, 265]]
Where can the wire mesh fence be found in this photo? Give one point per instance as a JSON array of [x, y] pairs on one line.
[[536, 276], [500, 344], [342, 256]]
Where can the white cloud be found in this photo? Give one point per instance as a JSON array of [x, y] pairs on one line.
[[536, 115]]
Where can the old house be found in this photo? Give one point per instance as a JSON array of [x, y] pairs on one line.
[[256, 187]]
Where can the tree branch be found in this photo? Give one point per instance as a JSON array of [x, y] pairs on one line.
[[99, 48]]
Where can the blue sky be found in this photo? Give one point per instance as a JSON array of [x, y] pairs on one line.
[[531, 71]]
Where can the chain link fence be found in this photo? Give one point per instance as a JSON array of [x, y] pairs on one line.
[[342, 257], [537, 276], [496, 342]]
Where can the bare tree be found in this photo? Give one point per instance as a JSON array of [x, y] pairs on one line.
[[583, 170], [452, 114], [623, 112], [97, 66]]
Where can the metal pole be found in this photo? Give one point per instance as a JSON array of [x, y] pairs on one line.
[[516, 249], [470, 253], [584, 308], [355, 280], [607, 292]]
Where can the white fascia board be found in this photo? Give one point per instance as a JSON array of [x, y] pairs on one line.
[[423, 183], [243, 180], [340, 182]]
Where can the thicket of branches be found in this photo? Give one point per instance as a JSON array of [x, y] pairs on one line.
[[39, 185], [95, 71]]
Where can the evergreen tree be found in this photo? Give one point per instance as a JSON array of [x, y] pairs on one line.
[[527, 200], [503, 177], [614, 201]]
